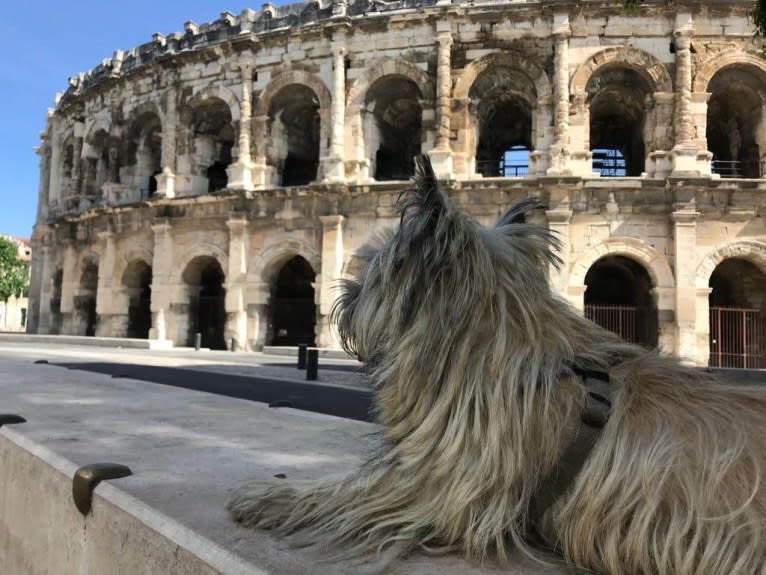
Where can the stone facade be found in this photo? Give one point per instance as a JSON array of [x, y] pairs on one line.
[[180, 179]]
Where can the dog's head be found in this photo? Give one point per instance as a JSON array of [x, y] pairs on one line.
[[441, 275]]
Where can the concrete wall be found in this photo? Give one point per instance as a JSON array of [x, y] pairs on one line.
[[42, 532]]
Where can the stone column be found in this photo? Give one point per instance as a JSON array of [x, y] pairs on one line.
[[236, 282], [39, 311], [75, 187], [688, 159], [68, 285], [54, 183], [241, 172], [441, 155], [332, 269], [333, 166], [162, 266], [260, 171], [560, 150], [104, 296], [558, 223], [685, 239], [166, 181]]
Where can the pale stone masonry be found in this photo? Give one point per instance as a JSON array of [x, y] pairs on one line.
[[180, 179]]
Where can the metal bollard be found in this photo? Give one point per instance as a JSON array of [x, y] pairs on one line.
[[197, 341], [233, 344], [312, 365], [302, 355]]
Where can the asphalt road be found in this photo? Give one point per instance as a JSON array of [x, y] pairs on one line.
[[332, 400]]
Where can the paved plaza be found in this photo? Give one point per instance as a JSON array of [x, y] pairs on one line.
[[188, 449]]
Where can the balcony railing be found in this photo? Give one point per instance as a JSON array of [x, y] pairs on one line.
[[737, 169], [500, 169]]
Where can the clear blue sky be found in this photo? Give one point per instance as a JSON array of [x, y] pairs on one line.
[[42, 43]]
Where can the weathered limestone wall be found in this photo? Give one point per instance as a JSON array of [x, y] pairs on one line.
[[292, 107]]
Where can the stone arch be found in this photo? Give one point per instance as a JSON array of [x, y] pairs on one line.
[[198, 250], [655, 263], [503, 59], [389, 67], [141, 254], [219, 92], [99, 124], [749, 250], [714, 65], [648, 66], [270, 259], [292, 77], [145, 107]]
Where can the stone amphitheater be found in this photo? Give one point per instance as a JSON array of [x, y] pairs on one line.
[[217, 181]]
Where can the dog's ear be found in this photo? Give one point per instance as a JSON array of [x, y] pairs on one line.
[[423, 204], [517, 214]]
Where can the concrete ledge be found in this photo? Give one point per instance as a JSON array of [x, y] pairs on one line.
[[41, 531], [292, 351], [124, 342]]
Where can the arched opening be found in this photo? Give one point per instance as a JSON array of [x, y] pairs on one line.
[[85, 300], [101, 163], [294, 129], [213, 140], [207, 301], [144, 153], [293, 311], [618, 298], [55, 319], [137, 282], [738, 315], [735, 131], [617, 98], [502, 103], [393, 127]]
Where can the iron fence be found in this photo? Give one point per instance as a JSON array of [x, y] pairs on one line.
[[737, 338], [501, 168], [737, 169], [619, 319]]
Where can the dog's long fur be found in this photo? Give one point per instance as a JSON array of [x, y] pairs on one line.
[[469, 352]]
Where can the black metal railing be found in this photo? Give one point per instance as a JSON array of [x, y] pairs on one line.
[[737, 169], [501, 169], [737, 338]]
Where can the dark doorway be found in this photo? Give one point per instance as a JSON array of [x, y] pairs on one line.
[[85, 301], [207, 307], [738, 315], [618, 298], [55, 319], [292, 304], [294, 125], [505, 136], [217, 177], [138, 283]]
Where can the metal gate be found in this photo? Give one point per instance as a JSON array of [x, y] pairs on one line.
[[737, 338], [620, 319]]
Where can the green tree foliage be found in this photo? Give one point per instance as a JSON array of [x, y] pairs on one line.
[[14, 273]]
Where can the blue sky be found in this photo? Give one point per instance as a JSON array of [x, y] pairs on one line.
[[41, 45]]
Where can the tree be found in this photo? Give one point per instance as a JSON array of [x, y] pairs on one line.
[[14, 273]]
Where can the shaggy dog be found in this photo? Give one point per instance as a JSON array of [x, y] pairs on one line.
[[476, 367]]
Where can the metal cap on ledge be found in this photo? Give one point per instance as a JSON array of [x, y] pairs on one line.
[[88, 477]]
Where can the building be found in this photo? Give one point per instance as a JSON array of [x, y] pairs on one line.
[[218, 180], [13, 313]]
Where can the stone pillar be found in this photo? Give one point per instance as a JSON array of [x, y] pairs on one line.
[[558, 223], [333, 166], [166, 181], [685, 239], [441, 155], [236, 282], [68, 285], [332, 269], [75, 187], [241, 172], [104, 296], [55, 184], [560, 150], [162, 266], [688, 159], [260, 171], [39, 310]]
